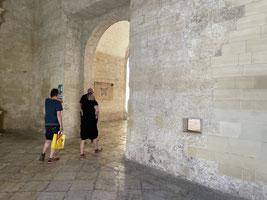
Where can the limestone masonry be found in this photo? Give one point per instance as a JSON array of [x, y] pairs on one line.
[[204, 59]]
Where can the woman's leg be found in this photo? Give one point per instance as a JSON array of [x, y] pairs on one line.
[[82, 146], [95, 141]]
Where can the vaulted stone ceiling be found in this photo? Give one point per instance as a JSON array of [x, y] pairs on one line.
[[87, 9]]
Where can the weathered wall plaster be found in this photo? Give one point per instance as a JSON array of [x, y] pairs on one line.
[[49, 55], [73, 86], [1, 12], [16, 64], [172, 76], [188, 58]]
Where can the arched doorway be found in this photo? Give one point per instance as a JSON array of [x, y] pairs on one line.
[[105, 69]]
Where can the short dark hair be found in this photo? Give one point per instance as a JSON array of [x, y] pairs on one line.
[[54, 92], [90, 90]]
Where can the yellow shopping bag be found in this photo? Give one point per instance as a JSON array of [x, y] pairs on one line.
[[58, 141]]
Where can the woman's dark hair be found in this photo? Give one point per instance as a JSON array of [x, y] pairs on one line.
[[54, 92]]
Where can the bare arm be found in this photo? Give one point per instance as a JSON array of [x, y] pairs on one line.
[[59, 118], [96, 111], [81, 109]]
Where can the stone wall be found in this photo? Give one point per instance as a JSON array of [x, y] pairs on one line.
[[33, 40], [49, 55], [188, 58], [16, 64], [73, 84], [111, 69], [202, 59], [240, 98]]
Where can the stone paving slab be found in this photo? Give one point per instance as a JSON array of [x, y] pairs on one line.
[[25, 195], [59, 186], [82, 185], [34, 186], [51, 196], [105, 175], [81, 195]]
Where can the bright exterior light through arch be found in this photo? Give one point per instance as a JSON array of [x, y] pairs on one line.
[[127, 85]]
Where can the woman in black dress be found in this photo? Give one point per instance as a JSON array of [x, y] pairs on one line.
[[89, 118]]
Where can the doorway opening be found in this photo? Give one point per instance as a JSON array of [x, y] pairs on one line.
[[127, 86], [109, 72]]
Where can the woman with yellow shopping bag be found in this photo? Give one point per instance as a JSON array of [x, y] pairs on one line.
[[53, 123]]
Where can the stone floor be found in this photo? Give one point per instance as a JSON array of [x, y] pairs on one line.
[[106, 175]]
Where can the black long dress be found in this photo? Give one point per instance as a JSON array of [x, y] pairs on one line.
[[88, 120]]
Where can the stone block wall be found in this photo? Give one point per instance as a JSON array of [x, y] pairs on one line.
[[240, 96], [111, 69], [202, 59], [49, 44], [188, 58], [16, 64]]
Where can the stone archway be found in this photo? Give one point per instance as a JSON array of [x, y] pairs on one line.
[[106, 63], [90, 49], [79, 34]]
